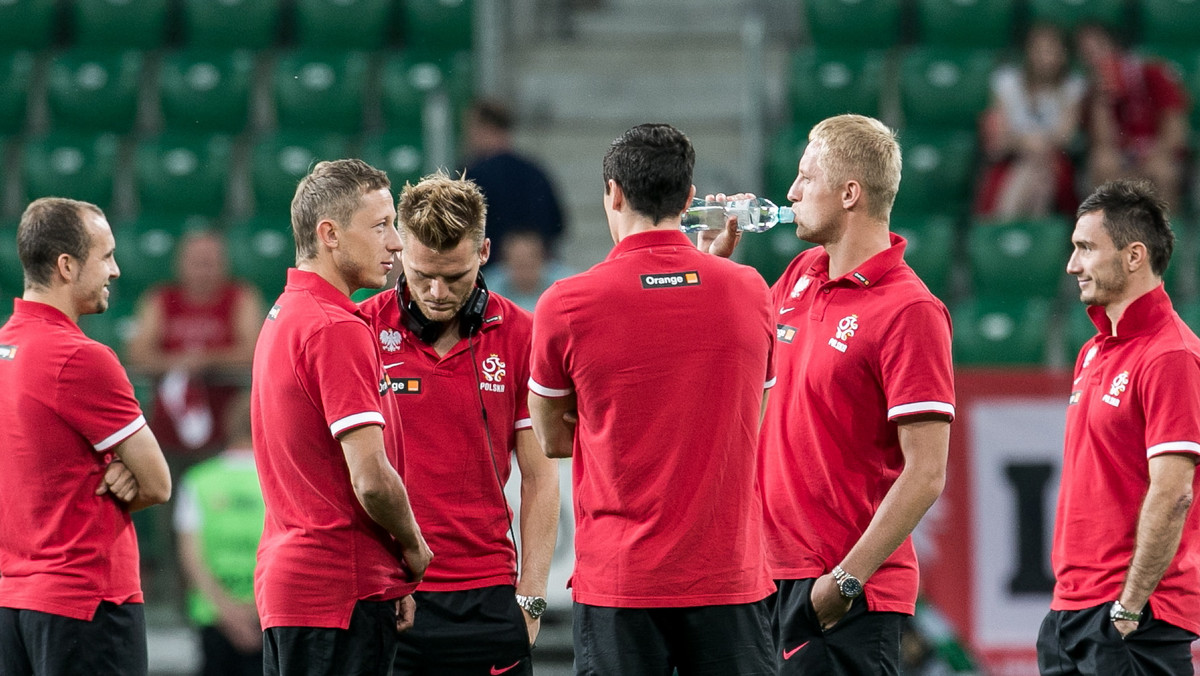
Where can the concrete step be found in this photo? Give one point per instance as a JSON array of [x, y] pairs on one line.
[[675, 21]]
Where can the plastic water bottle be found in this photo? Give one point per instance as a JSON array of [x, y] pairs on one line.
[[753, 215]]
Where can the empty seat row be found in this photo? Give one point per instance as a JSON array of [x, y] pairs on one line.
[[991, 23], [213, 90], [149, 24]]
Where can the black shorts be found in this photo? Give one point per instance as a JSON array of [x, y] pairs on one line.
[[1085, 642], [366, 648], [222, 658], [862, 643], [112, 643], [476, 631], [729, 640]]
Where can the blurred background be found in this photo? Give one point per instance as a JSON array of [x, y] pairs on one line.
[[192, 120]]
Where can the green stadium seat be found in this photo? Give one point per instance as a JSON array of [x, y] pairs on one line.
[[321, 91], [772, 251], [945, 87], [1190, 314], [438, 25], [939, 169], [1070, 14], [27, 24], [1020, 259], [95, 90], [146, 250], [12, 279], [407, 78], [71, 164], [826, 82], [1169, 22], [206, 90], [783, 161], [343, 24], [853, 23], [1000, 332], [261, 250], [930, 250], [112, 24], [1079, 328], [280, 160], [399, 152], [16, 78], [180, 173], [976, 24], [225, 24]]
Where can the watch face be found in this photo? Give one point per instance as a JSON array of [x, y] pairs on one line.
[[536, 606], [850, 587]]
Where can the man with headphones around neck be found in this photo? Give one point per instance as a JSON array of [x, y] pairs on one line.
[[457, 357]]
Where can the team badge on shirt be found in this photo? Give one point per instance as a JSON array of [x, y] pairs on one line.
[[801, 285], [1091, 354], [845, 331], [389, 340], [8, 352], [494, 371], [671, 279], [785, 333], [1119, 385]]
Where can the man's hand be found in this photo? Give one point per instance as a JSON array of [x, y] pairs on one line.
[[724, 242], [118, 480], [1125, 627], [406, 613], [240, 624], [828, 602], [532, 626], [417, 560]]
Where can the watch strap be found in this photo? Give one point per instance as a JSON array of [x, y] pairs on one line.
[[1119, 613]]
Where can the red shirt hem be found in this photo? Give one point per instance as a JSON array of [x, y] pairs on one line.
[[611, 601]]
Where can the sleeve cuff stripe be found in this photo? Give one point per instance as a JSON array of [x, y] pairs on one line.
[[548, 392], [121, 434], [769, 384], [356, 420], [523, 424], [1173, 447], [921, 407]]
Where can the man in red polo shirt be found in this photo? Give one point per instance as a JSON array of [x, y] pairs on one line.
[[665, 353], [1126, 555], [77, 459], [341, 552], [458, 360], [855, 439]]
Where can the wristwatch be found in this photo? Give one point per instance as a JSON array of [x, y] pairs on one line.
[[848, 585], [534, 605], [1118, 613]]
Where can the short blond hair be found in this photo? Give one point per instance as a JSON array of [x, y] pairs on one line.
[[441, 211], [863, 149], [332, 190]]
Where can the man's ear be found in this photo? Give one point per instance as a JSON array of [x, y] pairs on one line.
[[66, 266], [851, 194], [328, 234], [615, 193], [1136, 256]]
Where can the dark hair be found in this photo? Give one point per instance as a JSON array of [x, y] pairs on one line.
[[50, 227], [493, 113], [1133, 212], [331, 190], [653, 165]]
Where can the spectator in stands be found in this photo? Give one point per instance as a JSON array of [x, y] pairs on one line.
[[519, 194], [196, 336], [1033, 117], [526, 270], [1135, 114], [218, 521]]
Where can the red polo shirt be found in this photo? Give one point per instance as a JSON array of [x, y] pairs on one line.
[[453, 484], [854, 355], [668, 350], [317, 375], [65, 404], [1135, 397]]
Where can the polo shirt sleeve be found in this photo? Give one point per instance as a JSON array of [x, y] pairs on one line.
[[344, 375], [95, 397], [550, 343], [1168, 391], [915, 364]]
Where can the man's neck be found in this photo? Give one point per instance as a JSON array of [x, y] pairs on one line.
[[325, 269], [860, 241], [57, 298]]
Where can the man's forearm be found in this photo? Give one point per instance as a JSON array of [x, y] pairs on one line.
[[554, 434], [1160, 527], [539, 531]]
